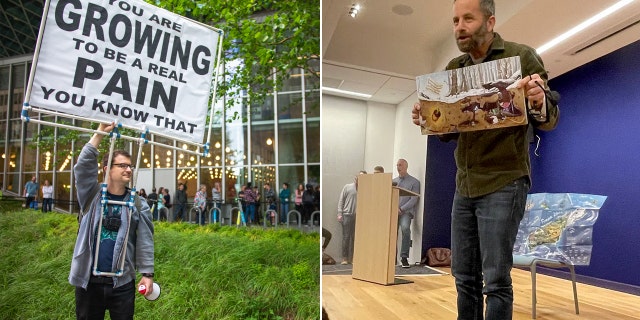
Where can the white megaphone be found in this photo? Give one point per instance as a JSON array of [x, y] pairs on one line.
[[154, 295]]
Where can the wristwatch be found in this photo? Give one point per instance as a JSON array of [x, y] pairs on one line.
[[148, 275]]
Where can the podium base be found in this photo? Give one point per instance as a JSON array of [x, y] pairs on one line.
[[400, 281]]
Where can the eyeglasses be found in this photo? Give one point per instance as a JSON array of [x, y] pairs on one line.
[[124, 166]]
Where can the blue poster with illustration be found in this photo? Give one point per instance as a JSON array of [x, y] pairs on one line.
[[559, 226]]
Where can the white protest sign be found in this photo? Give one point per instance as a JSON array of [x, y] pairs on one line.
[[129, 61]]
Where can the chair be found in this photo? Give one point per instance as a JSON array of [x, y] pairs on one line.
[[531, 263], [556, 231]]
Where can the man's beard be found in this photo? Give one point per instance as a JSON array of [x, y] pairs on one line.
[[477, 38]]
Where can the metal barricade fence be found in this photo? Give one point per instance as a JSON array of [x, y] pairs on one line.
[[298, 215]]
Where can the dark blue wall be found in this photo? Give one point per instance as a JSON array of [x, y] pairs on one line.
[[438, 194], [595, 149]]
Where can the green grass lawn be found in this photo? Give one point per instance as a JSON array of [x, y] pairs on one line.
[[209, 272]]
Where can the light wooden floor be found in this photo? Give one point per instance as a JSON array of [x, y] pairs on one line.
[[434, 297]]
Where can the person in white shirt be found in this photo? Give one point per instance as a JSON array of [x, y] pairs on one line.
[[47, 196]]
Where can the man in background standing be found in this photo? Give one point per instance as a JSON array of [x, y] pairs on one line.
[[347, 217], [407, 208], [152, 200], [30, 192], [180, 198]]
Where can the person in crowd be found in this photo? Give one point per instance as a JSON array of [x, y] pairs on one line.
[[200, 202], [250, 199], [152, 201], [407, 208], [94, 293], [216, 194], [285, 195], [30, 192], [167, 204], [180, 198], [143, 194], [216, 197], [298, 199], [378, 169], [47, 196], [160, 207], [493, 171], [308, 203], [232, 193], [243, 202], [347, 217], [256, 205], [270, 200]]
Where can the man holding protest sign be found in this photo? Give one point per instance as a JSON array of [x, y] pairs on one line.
[[96, 294]]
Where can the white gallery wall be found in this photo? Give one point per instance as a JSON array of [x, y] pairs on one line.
[[358, 135]]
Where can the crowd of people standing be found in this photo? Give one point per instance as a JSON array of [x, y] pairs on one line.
[[252, 202]]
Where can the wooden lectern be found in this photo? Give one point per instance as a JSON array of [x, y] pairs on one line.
[[376, 234]]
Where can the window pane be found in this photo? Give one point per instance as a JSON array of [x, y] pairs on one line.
[[262, 146], [312, 80], [163, 156], [289, 106], [62, 193], [313, 140], [4, 92], [314, 175], [294, 82], [290, 142], [312, 104], [235, 149], [13, 184], [293, 175], [18, 91], [14, 152], [263, 110]]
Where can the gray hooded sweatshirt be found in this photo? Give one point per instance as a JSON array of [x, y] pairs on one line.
[[140, 243]]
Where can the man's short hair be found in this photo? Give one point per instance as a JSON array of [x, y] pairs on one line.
[[105, 158], [378, 169], [488, 7]]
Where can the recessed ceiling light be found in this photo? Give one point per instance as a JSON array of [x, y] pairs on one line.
[[402, 10]]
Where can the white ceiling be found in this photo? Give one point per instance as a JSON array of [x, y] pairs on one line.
[[389, 43]]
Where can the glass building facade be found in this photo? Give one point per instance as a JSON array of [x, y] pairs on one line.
[[273, 142]]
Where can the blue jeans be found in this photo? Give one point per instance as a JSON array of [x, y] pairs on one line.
[[404, 222], [179, 211], [202, 213], [251, 213], [284, 212], [483, 232], [46, 204]]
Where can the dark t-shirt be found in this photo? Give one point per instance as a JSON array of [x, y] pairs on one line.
[[108, 237]]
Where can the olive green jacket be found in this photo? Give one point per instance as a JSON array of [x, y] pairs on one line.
[[488, 160]]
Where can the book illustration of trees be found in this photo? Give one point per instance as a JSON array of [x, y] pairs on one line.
[[477, 97]]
